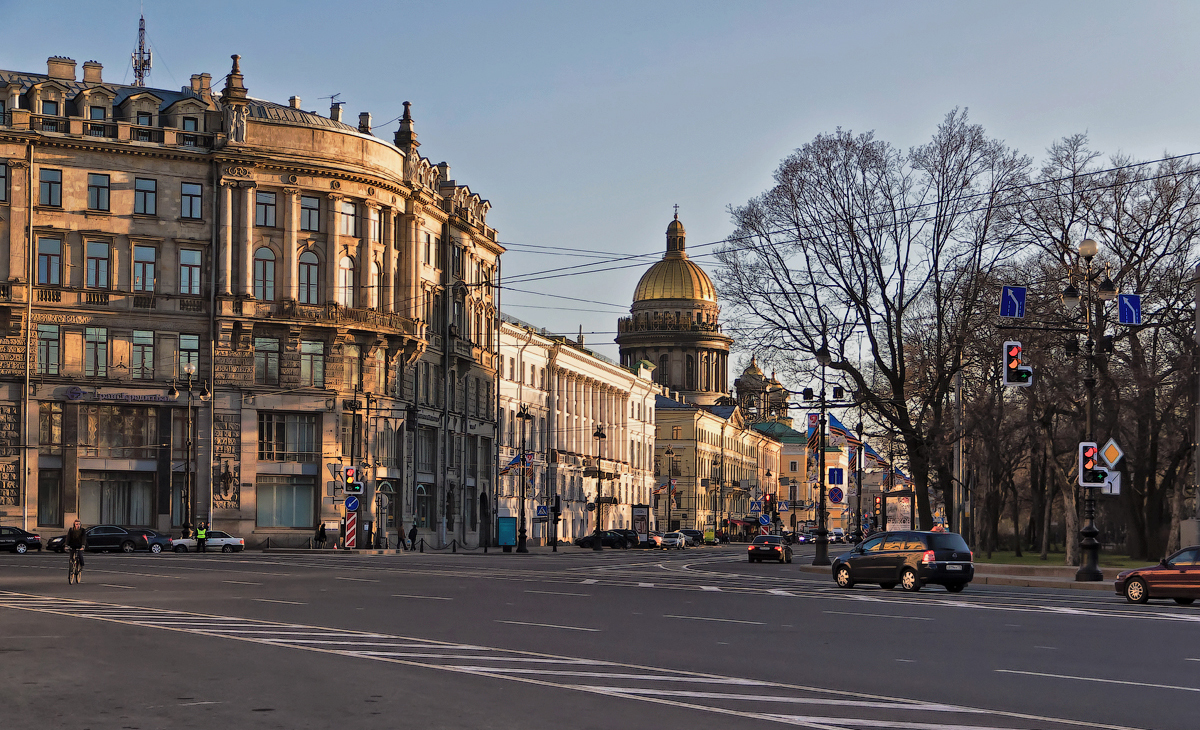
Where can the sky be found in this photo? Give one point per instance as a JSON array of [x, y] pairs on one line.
[[585, 123]]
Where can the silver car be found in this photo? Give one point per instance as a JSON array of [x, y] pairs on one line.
[[675, 540], [216, 540]]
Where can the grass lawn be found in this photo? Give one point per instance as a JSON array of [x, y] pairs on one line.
[[1107, 560]]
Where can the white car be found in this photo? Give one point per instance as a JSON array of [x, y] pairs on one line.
[[675, 540], [216, 540]]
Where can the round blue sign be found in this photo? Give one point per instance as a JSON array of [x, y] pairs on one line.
[[835, 495], [351, 503]]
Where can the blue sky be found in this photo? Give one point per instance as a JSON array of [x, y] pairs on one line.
[[583, 123]]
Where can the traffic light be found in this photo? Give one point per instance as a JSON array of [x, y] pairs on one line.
[[1015, 374], [768, 504], [1091, 474], [878, 510], [353, 484]]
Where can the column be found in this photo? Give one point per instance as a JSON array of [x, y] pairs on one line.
[[332, 249], [388, 222], [246, 242], [225, 249], [286, 289]]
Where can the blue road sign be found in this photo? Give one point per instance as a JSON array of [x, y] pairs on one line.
[[1129, 308], [836, 475], [756, 505], [1012, 301], [764, 520], [351, 504], [783, 505], [835, 495], [543, 511]]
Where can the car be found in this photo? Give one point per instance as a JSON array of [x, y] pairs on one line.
[[631, 537], [908, 558], [695, 537], [216, 540], [837, 535], [675, 540], [769, 547], [656, 539], [608, 539], [1176, 577], [18, 540], [102, 538]]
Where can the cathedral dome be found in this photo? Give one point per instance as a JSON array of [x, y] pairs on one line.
[[675, 277]]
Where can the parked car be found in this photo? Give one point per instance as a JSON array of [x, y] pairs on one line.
[[18, 540], [103, 538], [837, 535], [216, 540], [1176, 577], [675, 540], [769, 547], [608, 539], [656, 539], [695, 537], [908, 558], [631, 537]]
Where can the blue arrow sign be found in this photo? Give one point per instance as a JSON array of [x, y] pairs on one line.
[[764, 520], [351, 504], [835, 475], [1129, 308], [756, 505], [783, 505], [1012, 301], [543, 511]]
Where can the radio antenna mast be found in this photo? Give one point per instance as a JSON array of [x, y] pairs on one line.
[[142, 57]]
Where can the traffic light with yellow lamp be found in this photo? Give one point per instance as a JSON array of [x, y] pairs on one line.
[[1091, 474], [1015, 374]]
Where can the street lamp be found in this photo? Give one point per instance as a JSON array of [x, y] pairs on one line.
[[822, 554], [670, 454], [189, 369], [1088, 292], [858, 485], [525, 417], [597, 544]]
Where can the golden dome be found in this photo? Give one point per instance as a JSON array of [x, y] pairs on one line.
[[675, 277]]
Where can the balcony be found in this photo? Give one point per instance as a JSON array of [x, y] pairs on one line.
[[194, 139], [100, 129], [66, 298], [332, 313], [664, 323], [145, 134], [40, 123]]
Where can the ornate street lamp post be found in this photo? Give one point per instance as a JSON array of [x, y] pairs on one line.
[[523, 414], [189, 369], [597, 544], [822, 554], [670, 454]]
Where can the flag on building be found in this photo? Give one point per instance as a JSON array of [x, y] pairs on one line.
[[874, 457], [516, 463], [838, 429]]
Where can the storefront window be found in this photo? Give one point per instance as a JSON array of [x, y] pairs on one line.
[[50, 498], [116, 498], [286, 500]]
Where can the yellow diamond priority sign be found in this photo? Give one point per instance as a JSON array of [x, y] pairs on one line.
[[1111, 453]]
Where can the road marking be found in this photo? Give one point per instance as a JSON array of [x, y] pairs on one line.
[[709, 588], [274, 600], [1105, 681], [1187, 659], [589, 582], [547, 626], [559, 593], [431, 598], [359, 580], [907, 661], [203, 702], [1053, 648], [645, 585], [780, 592], [242, 582], [114, 585], [878, 615], [707, 618]]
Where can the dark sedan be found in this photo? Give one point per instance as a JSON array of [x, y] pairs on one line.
[[103, 538], [608, 539], [908, 558], [18, 540], [769, 547], [1176, 577]]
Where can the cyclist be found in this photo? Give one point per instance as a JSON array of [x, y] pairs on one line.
[[76, 543]]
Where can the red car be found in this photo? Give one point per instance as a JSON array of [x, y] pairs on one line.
[[1175, 577]]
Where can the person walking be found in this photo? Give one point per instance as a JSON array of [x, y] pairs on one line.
[[322, 536], [412, 537], [201, 537]]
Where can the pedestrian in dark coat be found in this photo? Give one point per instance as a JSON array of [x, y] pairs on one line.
[[412, 537], [322, 536]]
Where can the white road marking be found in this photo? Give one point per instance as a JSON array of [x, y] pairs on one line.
[[203, 702], [878, 615], [838, 702], [780, 592], [645, 585], [1097, 679], [114, 585], [589, 581], [275, 600], [360, 580], [1053, 648], [709, 588], [559, 593], [242, 582], [547, 626], [836, 723], [431, 598], [707, 618]]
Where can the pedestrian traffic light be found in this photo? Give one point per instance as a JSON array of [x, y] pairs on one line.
[[1015, 374], [1091, 474]]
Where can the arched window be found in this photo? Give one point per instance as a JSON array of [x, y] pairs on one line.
[[373, 295], [310, 274], [424, 512], [664, 377], [264, 275], [345, 282], [690, 377]]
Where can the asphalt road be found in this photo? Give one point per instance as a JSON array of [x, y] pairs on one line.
[[687, 639]]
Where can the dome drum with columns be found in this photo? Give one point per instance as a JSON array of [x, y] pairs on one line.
[[674, 325]]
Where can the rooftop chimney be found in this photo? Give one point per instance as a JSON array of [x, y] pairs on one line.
[[294, 102], [60, 67], [444, 176], [195, 81], [335, 111], [205, 82], [364, 122], [91, 72]]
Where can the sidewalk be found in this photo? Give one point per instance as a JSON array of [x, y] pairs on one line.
[[1026, 576]]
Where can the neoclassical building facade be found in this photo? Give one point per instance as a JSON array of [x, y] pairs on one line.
[[214, 303]]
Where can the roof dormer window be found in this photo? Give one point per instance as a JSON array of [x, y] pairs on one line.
[[50, 108], [145, 119]]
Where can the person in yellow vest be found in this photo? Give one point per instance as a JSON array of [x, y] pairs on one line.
[[201, 536]]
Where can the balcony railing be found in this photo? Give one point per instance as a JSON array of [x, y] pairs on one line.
[[49, 295], [145, 134], [143, 302], [643, 323], [100, 129], [336, 314], [100, 298], [41, 123], [193, 139]]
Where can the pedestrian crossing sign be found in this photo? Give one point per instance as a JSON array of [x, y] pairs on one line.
[[783, 505], [543, 511], [756, 505]]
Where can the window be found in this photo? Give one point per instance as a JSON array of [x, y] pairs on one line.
[[97, 113], [191, 124], [264, 275], [50, 261], [676, 432], [3, 177], [49, 497], [312, 363], [793, 466], [427, 257], [423, 515], [373, 224], [50, 108], [288, 437], [141, 365], [264, 209], [351, 433], [50, 428], [191, 195], [97, 265], [310, 213], [189, 271], [310, 274], [437, 253], [352, 366], [348, 223], [97, 192], [143, 268], [145, 119], [95, 352], [116, 497], [49, 353], [375, 288], [426, 448], [145, 196], [266, 361], [50, 190], [189, 351], [286, 501], [380, 370], [345, 286]]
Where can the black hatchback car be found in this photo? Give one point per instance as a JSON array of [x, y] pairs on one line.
[[18, 540], [907, 558], [103, 538]]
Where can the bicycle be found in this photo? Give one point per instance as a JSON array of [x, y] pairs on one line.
[[75, 567]]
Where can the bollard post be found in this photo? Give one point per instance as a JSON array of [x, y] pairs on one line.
[[422, 544], [454, 546]]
